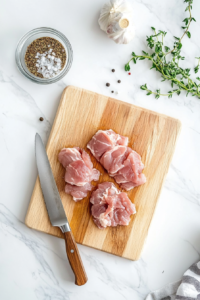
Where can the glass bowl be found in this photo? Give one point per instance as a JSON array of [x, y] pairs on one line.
[[28, 38]]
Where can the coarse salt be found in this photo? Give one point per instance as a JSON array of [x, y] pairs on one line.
[[47, 64]]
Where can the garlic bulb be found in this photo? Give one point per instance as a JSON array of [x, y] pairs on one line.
[[116, 20]]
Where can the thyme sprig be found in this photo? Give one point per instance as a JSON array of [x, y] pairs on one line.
[[170, 69]]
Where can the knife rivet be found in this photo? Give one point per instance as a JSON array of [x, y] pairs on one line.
[[72, 251]]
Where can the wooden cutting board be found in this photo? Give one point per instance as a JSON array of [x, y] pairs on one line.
[[80, 114]]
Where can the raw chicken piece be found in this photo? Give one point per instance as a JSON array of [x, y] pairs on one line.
[[110, 206], [78, 192], [125, 165], [79, 172], [105, 140], [113, 159], [68, 155], [121, 162]]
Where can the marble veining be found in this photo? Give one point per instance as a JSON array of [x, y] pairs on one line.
[[24, 104], [183, 186], [34, 265]]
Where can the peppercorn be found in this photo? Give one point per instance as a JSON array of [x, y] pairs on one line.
[[119, 81], [113, 70], [41, 119], [42, 46], [107, 84], [112, 91]]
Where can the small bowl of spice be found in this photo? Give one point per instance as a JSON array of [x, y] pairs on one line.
[[44, 55]]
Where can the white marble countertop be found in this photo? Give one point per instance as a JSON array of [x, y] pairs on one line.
[[34, 265]]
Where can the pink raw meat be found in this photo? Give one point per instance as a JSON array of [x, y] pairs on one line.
[[125, 165], [110, 206], [105, 140], [121, 162], [79, 172], [68, 155], [78, 192], [113, 159]]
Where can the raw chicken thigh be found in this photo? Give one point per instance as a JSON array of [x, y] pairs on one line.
[[79, 172], [110, 207], [121, 162], [105, 140]]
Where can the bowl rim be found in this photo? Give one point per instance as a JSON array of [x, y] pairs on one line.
[[47, 30]]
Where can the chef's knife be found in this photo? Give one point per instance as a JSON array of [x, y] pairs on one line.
[[56, 211]]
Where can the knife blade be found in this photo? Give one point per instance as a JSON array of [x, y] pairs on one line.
[[56, 210]]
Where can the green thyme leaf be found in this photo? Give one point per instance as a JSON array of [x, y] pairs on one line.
[[170, 94], [188, 34], [179, 46], [127, 67], [153, 66], [167, 49], [196, 69], [186, 21], [144, 87]]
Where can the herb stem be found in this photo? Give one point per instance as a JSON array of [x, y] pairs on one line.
[[184, 32], [156, 35], [170, 70], [160, 70], [155, 93]]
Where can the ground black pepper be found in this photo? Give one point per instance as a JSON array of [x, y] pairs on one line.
[[41, 46]]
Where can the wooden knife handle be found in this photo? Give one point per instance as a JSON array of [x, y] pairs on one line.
[[75, 259]]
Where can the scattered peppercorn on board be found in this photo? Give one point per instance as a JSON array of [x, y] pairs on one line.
[[80, 114]]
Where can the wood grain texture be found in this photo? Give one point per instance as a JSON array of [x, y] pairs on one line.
[[80, 114], [75, 259]]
